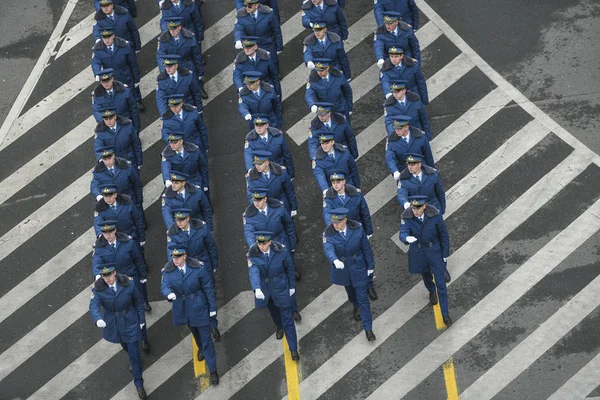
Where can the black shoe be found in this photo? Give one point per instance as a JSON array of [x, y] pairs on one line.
[[200, 355], [145, 346], [296, 315], [447, 320], [295, 355], [370, 335], [297, 274], [372, 293], [141, 392], [279, 334], [447, 277], [147, 307], [216, 335], [203, 93], [214, 378], [433, 299], [356, 314], [141, 106]]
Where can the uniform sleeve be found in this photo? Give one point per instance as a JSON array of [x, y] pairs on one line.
[[277, 108], [415, 48], [290, 192], [444, 238], [243, 107], [160, 51], [239, 4], [97, 219], [97, 5], [136, 184], [209, 291], [96, 109], [138, 260], [290, 229], [305, 20], [167, 214], [290, 269], [95, 311], [165, 168], [390, 158], [198, 23], [137, 147], [378, 11], [203, 167], [138, 302], [206, 211], [366, 250], [96, 262], [197, 56], [248, 160], [164, 131], [138, 221], [428, 154], [165, 286], [254, 275], [404, 231], [196, 97], [351, 140], [344, 62], [287, 157], [389, 122], [319, 174], [414, 11], [385, 84], [211, 246], [98, 144], [133, 64], [274, 75], [313, 145], [134, 111], [237, 77], [379, 48], [96, 31], [402, 194], [421, 85], [96, 64], [310, 96], [424, 119], [353, 168], [347, 91], [326, 214], [203, 132], [329, 249], [135, 34], [94, 186], [441, 195], [238, 32], [161, 102], [365, 216], [248, 232], [341, 21]]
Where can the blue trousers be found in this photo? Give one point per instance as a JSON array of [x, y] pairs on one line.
[[214, 323], [283, 320], [359, 298], [204, 341], [133, 350], [440, 284]]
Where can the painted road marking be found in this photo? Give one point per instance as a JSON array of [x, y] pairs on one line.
[[291, 372]]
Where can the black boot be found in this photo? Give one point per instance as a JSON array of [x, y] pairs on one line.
[[141, 106], [372, 293], [447, 276], [295, 355], [214, 378], [447, 320], [279, 334], [370, 335], [145, 345], [141, 392], [216, 335], [433, 298], [296, 315], [297, 274], [200, 355], [356, 314], [147, 307], [203, 93]]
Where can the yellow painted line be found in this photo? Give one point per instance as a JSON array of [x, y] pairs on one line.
[[291, 373], [200, 369], [450, 379], [437, 312]]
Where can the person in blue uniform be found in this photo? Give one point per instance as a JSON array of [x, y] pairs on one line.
[[180, 156], [400, 68], [402, 141], [408, 10], [119, 134], [184, 118], [128, 4], [333, 123], [181, 194], [116, 306], [193, 234], [259, 97], [403, 102], [259, 20], [117, 17], [271, 272], [329, 85], [395, 33], [324, 44], [423, 229], [176, 79], [351, 262], [186, 284], [333, 156], [275, 178], [420, 179], [328, 11], [117, 171], [117, 53], [180, 41], [263, 137], [274, 4], [112, 93], [119, 207], [191, 19], [253, 58]]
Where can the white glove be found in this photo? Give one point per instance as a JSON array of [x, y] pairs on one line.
[[240, 89], [259, 294], [397, 175], [388, 95], [248, 117], [369, 272], [142, 245], [380, 63], [238, 44], [349, 112], [349, 79], [139, 167], [212, 313], [311, 24], [160, 3], [137, 84], [406, 205], [411, 239], [97, 78], [171, 296], [292, 291], [137, 51], [338, 264], [98, 277], [168, 183], [142, 325], [143, 281], [100, 323], [205, 188], [294, 213], [310, 65], [313, 108], [369, 236], [279, 52], [98, 197], [325, 191], [445, 259]]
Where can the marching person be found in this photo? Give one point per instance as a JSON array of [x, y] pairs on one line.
[[333, 156], [394, 32], [403, 140], [111, 15], [403, 102], [118, 133], [335, 123], [182, 194], [112, 93], [407, 9], [323, 44], [259, 98], [328, 84], [401, 68], [117, 171], [328, 11], [177, 79], [253, 58], [181, 156], [184, 118]]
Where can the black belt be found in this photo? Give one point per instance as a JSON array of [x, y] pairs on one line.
[[430, 244], [342, 259], [119, 313], [189, 296], [274, 279]]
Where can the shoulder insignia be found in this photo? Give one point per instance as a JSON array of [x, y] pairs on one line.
[[93, 252], [303, 49], [168, 238], [308, 85], [374, 37], [399, 184], [244, 219], [130, 278], [163, 159], [95, 136], [163, 202], [92, 296], [374, 1], [236, 21], [303, 14], [249, 262], [95, 213], [324, 204], [387, 142], [324, 238], [385, 111], [245, 144], [380, 75], [401, 222], [309, 134], [283, 167], [314, 164], [239, 99]]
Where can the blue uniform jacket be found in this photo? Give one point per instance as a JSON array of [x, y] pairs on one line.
[[406, 39], [269, 103], [127, 257], [341, 130], [336, 91], [123, 311], [128, 4], [123, 60], [433, 242], [276, 144], [191, 19], [334, 50], [353, 201], [409, 71], [192, 126], [195, 200], [122, 100], [263, 64], [128, 217], [122, 23], [396, 149], [279, 185], [332, 14], [266, 28], [126, 178], [195, 294], [125, 142], [322, 164], [193, 163], [278, 221], [187, 84], [429, 185], [407, 9], [273, 276], [200, 243], [414, 108], [354, 251], [274, 4], [187, 48]]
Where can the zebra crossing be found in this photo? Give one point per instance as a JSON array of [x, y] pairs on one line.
[[511, 176]]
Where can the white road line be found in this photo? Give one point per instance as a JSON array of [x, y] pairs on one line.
[[76, 34], [36, 73], [172, 361], [410, 304], [494, 304], [270, 350], [581, 384], [536, 344]]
